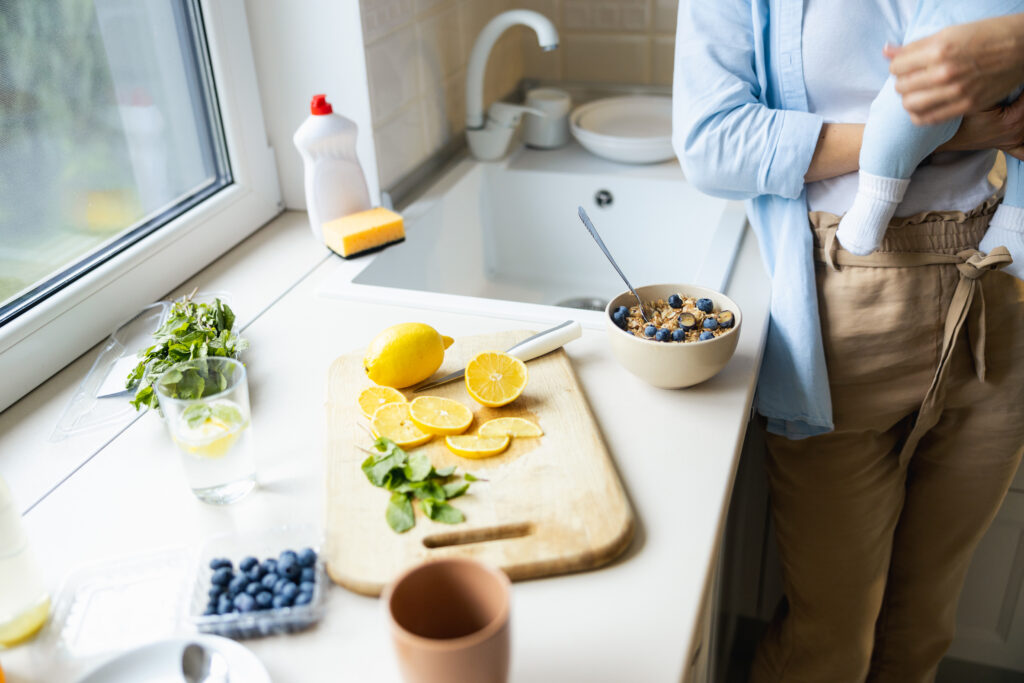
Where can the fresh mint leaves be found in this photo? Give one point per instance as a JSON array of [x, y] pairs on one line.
[[412, 476], [191, 330]]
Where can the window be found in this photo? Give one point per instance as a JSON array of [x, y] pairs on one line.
[[128, 161]]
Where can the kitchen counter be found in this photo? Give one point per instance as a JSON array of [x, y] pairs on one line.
[[121, 492]]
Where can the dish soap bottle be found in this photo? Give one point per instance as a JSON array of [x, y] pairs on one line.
[[24, 603], [335, 184]]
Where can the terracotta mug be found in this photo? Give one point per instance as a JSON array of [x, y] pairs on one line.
[[449, 621]]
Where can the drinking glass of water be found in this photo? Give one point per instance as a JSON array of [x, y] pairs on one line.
[[205, 402]]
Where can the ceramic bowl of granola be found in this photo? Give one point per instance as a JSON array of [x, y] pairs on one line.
[[692, 333]]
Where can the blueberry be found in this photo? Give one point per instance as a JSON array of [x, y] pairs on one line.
[[619, 319], [245, 602], [238, 584], [663, 334], [212, 603], [687, 321], [221, 576], [705, 305], [209, 611], [726, 319], [287, 555], [248, 563], [255, 573], [623, 310], [215, 591], [303, 599], [280, 601], [290, 590], [279, 586], [220, 563], [269, 580], [308, 574], [264, 599], [707, 334], [675, 301], [306, 587], [679, 335], [710, 324], [292, 571], [650, 331], [270, 566], [254, 587], [223, 604]]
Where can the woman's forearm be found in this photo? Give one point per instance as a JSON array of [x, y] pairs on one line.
[[837, 152]]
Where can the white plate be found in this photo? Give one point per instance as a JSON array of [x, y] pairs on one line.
[[633, 130], [160, 662]]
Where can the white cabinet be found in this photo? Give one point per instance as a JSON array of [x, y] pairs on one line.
[[990, 618]]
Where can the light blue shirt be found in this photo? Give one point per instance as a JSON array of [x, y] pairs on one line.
[[742, 131]]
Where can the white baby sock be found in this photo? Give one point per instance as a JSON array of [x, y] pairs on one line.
[[862, 228], [1007, 230]]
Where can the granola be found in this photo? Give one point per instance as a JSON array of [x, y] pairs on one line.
[[678, 319]]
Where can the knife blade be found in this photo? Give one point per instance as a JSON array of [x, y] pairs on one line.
[[528, 349]]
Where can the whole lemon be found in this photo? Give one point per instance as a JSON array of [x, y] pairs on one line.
[[405, 354]]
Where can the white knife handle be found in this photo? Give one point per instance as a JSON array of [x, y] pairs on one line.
[[546, 341]]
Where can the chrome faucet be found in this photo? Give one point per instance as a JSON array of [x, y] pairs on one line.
[[489, 137]]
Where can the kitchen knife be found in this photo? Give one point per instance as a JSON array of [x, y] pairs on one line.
[[528, 349]]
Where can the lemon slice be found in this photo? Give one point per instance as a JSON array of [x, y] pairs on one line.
[[495, 379], [374, 397], [24, 626], [436, 415], [476, 447], [393, 421], [510, 426]]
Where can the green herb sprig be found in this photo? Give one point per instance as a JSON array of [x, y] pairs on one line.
[[411, 477], [191, 331]]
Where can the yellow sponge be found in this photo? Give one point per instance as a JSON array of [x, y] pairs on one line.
[[365, 231]]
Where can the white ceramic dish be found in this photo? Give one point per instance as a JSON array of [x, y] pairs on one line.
[[673, 365], [160, 661], [632, 130]]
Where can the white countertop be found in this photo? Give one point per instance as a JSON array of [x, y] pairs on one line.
[[121, 492]]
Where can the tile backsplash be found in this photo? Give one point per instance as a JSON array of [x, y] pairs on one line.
[[417, 51]]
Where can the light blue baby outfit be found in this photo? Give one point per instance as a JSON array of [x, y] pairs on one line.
[[893, 147]]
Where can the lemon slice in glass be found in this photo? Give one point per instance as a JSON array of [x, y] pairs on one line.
[[436, 415], [495, 379], [24, 626], [374, 397], [510, 426], [476, 447], [392, 420]]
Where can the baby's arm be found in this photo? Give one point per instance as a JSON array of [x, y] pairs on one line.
[[893, 147]]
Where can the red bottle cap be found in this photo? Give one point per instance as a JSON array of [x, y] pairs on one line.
[[320, 106]]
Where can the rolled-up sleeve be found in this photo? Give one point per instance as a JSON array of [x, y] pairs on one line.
[[729, 142]]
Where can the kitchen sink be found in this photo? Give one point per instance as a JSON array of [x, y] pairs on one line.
[[509, 231]]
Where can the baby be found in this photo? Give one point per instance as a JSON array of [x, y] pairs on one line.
[[893, 147]]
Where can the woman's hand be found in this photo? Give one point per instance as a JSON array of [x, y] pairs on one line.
[[997, 128], [960, 69]]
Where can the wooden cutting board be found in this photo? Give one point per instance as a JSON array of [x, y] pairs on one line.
[[551, 505]]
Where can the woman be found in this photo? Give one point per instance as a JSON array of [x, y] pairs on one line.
[[892, 385]]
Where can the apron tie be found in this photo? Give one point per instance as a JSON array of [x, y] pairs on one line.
[[966, 307]]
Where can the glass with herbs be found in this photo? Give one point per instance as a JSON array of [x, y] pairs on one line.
[[205, 403]]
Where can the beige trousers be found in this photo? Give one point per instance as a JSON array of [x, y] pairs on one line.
[[876, 522]]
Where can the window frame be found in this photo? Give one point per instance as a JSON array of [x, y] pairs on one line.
[[46, 337]]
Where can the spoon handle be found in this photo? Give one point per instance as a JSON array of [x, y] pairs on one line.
[[597, 238]]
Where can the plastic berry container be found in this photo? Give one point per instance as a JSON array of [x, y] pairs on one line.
[[261, 545]]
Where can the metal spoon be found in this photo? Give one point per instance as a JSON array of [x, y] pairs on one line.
[[200, 664], [597, 238]]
